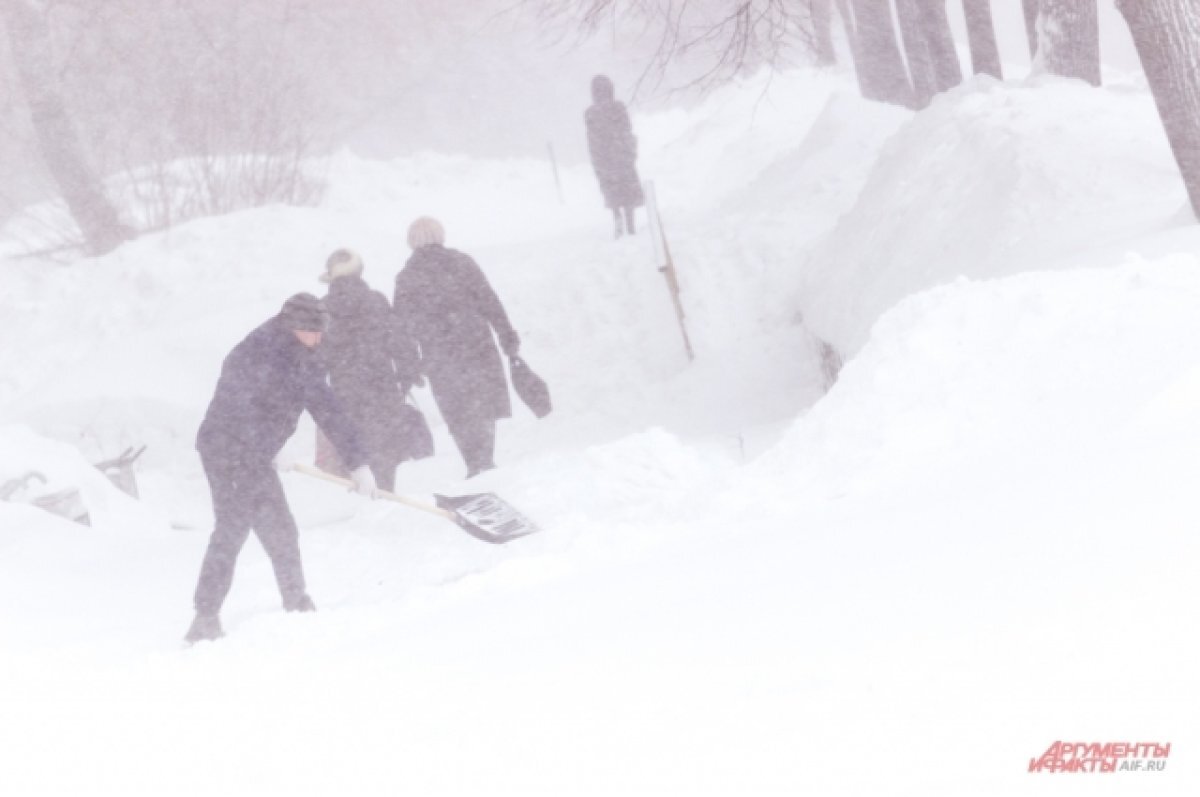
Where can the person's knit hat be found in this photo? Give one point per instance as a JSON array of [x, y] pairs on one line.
[[602, 88], [425, 231], [342, 263], [304, 311]]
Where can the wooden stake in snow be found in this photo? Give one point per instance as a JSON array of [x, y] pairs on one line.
[[666, 265], [554, 168]]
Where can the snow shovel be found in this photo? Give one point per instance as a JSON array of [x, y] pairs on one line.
[[484, 516], [66, 503], [119, 470]]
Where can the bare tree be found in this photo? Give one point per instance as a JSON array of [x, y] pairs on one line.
[[1030, 9], [821, 13], [1068, 39], [749, 33], [236, 122], [57, 139], [981, 34], [916, 52], [193, 109], [940, 43], [929, 45], [877, 60], [722, 38], [1166, 34]]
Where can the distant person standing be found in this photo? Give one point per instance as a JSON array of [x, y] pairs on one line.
[[266, 382], [613, 150], [450, 309], [372, 364]]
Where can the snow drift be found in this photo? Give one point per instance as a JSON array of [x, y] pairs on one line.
[[992, 179]]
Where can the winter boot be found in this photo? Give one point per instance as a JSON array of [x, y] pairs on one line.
[[302, 604], [617, 222], [206, 627], [629, 225]]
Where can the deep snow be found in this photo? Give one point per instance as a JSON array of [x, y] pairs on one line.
[[980, 540]]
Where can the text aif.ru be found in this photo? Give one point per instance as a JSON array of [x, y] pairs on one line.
[[1095, 757]]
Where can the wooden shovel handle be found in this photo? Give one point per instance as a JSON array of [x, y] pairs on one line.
[[317, 473]]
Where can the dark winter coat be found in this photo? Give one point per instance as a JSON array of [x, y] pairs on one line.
[[449, 308], [266, 382], [371, 364], [612, 147]]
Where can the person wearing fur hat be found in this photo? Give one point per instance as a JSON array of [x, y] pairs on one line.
[[450, 309], [266, 382], [613, 150], [372, 364]]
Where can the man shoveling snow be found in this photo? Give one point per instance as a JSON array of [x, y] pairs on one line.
[[266, 382]]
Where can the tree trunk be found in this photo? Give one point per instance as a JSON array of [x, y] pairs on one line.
[[62, 152], [1166, 34], [843, 7], [1069, 39], [916, 52], [929, 46], [877, 60], [1030, 7], [947, 72], [821, 14], [985, 56]]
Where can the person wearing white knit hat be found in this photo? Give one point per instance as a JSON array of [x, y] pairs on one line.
[[372, 364], [450, 309], [342, 263]]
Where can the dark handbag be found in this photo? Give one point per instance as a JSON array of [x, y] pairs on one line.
[[414, 432], [530, 387]]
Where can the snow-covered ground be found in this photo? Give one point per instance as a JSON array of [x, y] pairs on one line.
[[981, 540]]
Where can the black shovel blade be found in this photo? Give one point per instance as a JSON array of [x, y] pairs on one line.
[[487, 517]]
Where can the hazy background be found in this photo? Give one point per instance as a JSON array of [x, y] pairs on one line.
[[382, 78], [152, 81]]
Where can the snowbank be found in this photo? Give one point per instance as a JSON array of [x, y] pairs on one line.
[[1022, 374], [992, 179]]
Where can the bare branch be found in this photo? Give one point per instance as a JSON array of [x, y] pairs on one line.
[[720, 39]]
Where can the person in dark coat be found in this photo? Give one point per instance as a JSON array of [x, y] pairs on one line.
[[449, 308], [266, 382], [372, 364], [613, 150]]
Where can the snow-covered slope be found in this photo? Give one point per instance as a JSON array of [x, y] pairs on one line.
[[993, 179], [977, 542]]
